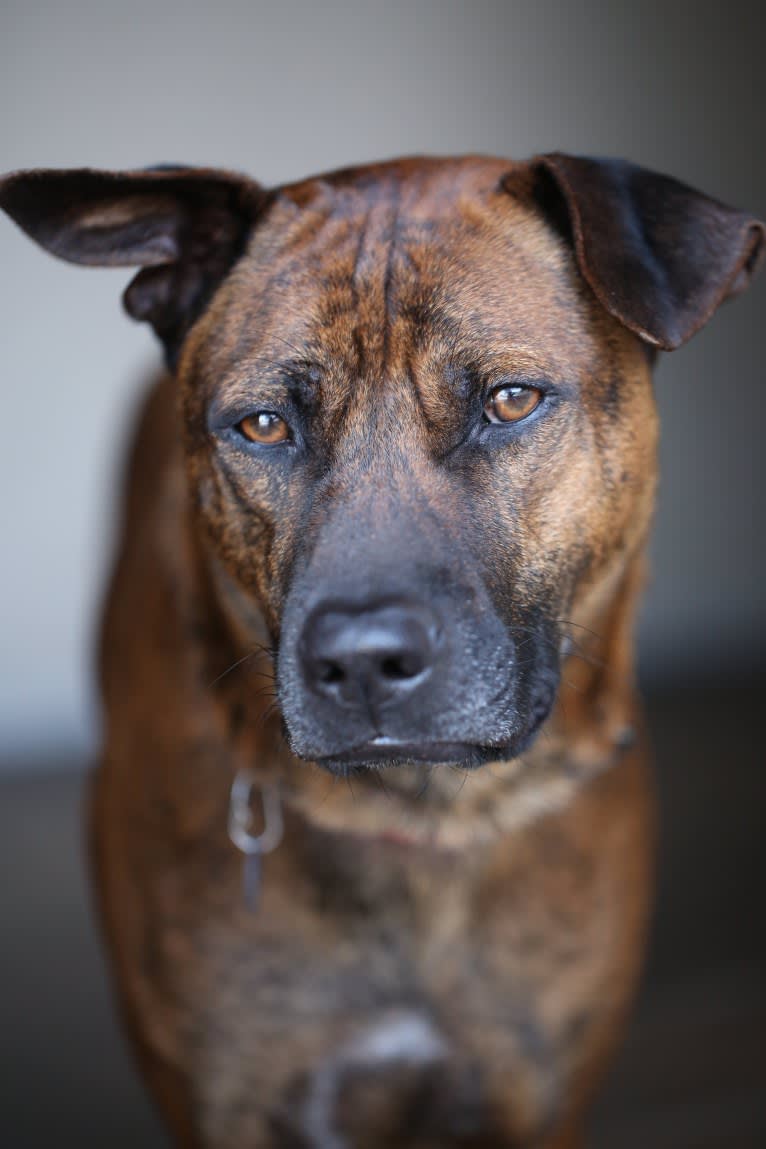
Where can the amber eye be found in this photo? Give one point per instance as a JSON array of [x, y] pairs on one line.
[[511, 403], [264, 427]]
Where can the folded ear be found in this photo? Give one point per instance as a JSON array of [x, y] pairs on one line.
[[659, 256], [184, 226]]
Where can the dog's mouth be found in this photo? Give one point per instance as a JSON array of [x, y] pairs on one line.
[[384, 751]]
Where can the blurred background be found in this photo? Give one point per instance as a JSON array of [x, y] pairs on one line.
[[281, 90]]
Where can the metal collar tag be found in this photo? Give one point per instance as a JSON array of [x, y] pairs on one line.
[[254, 846]]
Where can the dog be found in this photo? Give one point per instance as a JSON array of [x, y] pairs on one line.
[[372, 832]]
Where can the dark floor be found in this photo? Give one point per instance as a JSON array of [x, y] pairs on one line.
[[693, 1071]]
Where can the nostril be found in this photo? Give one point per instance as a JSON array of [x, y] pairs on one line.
[[400, 668], [331, 673]]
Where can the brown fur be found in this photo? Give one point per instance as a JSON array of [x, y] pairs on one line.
[[505, 909]]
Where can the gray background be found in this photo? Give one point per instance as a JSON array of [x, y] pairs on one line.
[[284, 89]]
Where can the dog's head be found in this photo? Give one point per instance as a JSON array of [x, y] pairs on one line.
[[419, 423]]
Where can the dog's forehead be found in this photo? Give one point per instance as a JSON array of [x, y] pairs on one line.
[[415, 254], [454, 210]]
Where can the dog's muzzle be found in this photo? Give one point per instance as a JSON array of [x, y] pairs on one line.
[[395, 680]]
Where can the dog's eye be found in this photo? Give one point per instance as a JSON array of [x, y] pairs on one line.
[[264, 427], [511, 403]]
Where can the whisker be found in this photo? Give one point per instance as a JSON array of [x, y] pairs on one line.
[[428, 771], [597, 663], [579, 626], [229, 669], [382, 784], [258, 648], [301, 353]]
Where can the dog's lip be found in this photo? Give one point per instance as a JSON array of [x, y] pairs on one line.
[[385, 749]]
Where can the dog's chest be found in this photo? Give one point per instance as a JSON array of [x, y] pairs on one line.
[[360, 952]]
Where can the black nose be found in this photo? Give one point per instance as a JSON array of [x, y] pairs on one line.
[[370, 657]]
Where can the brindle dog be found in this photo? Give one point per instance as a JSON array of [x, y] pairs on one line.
[[388, 509]]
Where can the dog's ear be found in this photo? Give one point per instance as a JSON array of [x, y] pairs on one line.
[[184, 227], [659, 256]]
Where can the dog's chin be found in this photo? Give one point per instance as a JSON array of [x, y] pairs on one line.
[[383, 752]]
